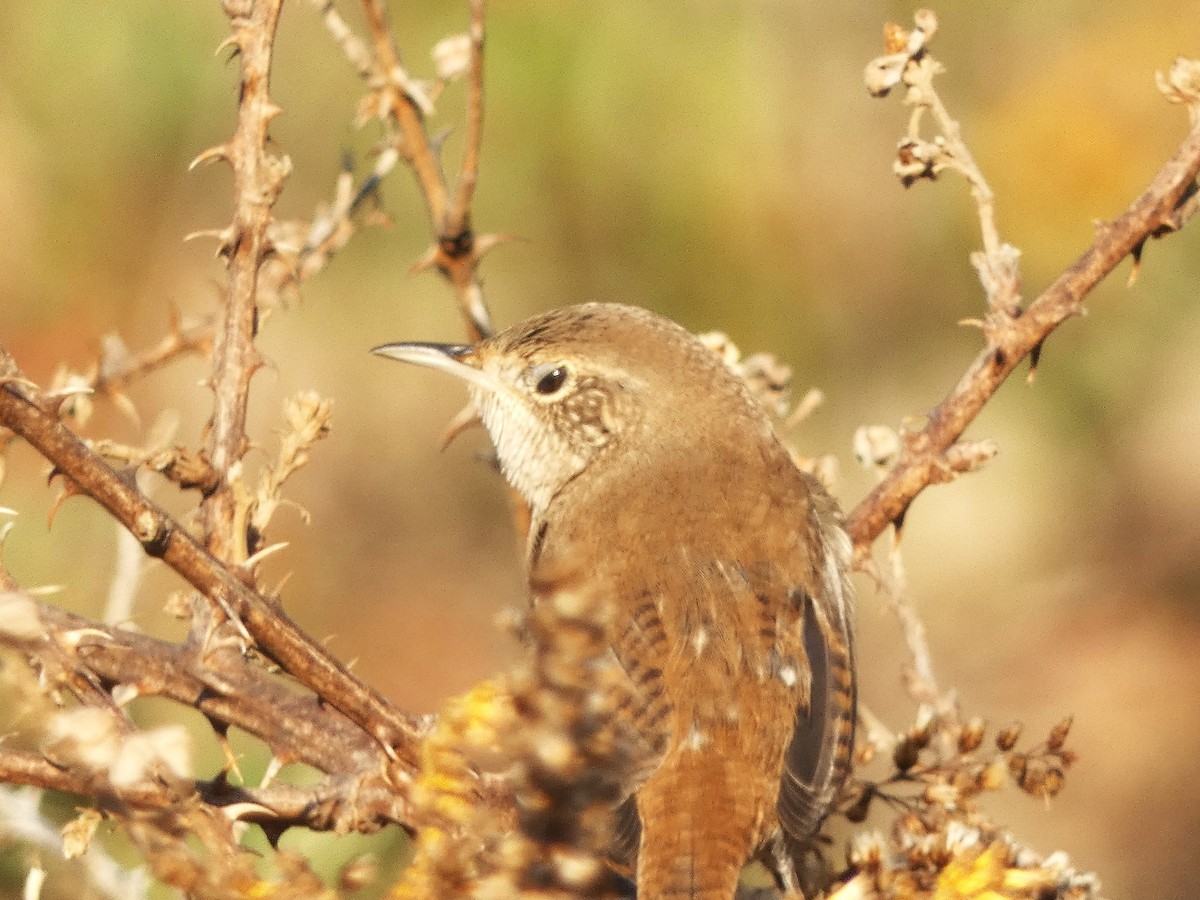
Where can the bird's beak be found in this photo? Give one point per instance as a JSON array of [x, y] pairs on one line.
[[459, 360]]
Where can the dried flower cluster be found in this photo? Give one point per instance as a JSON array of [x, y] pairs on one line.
[[942, 842], [549, 739]]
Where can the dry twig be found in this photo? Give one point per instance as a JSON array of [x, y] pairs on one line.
[[403, 104]]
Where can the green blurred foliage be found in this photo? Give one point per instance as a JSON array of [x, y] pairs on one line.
[[720, 162]]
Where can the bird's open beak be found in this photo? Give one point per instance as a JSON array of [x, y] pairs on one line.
[[457, 359]]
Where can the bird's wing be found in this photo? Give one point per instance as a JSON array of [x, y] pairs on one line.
[[818, 759]]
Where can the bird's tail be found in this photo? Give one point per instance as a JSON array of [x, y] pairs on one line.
[[697, 829]]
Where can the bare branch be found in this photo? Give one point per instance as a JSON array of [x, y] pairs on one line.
[[399, 101], [458, 216], [403, 104]]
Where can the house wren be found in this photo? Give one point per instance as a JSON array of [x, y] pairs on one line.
[[648, 464]]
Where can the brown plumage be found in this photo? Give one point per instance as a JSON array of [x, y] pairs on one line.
[[648, 465]]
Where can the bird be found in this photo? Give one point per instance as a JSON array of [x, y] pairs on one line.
[[646, 461]]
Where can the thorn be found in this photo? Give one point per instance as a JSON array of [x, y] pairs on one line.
[[69, 641], [231, 763], [70, 489], [1035, 356], [229, 42], [472, 303], [254, 559], [173, 320], [426, 262], [124, 694], [1136, 253], [213, 154], [49, 590], [55, 399], [223, 235], [484, 243], [273, 831], [273, 769], [277, 594], [973, 323], [235, 812], [465, 418], [122, 401], [805, 408], [271, 111], [18, 381]]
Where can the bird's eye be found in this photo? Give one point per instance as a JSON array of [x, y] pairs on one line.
[[552, 381]]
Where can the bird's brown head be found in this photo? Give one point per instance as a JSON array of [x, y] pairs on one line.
[[561, 391]]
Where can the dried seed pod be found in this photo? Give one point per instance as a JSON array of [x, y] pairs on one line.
[[910, 826], [942, 793], [1017, 764], [921, 734], [1054, 782], [1058, 735], [1008, 737], [1032, 775], [857, 811], [867, 851], [906, 754], [971, 735], [993, 775]]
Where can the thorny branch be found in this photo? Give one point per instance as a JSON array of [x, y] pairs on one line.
[[117, 367], [1011, 334], [26, 412], [346, 730], [403, 104], [244, 244], [911, 462], [276, 806], [294, 725]]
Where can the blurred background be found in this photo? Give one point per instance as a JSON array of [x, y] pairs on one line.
[[719, 162]]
